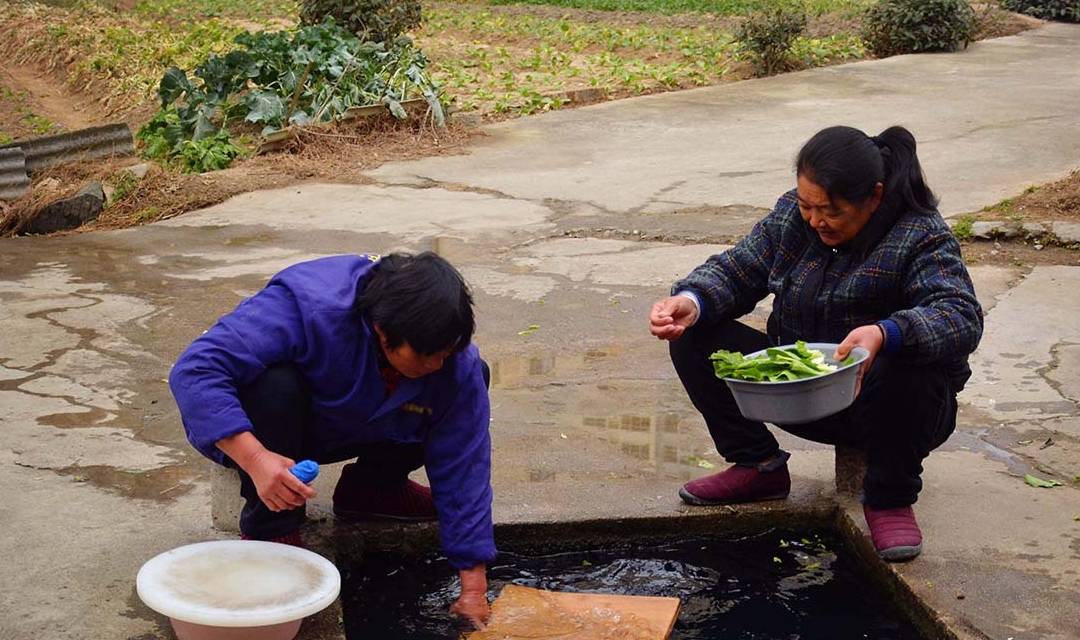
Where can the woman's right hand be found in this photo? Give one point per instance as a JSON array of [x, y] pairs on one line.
[[671, 317], [278, 488]]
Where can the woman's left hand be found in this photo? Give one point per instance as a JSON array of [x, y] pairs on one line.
[[472, 604], [869, 337]]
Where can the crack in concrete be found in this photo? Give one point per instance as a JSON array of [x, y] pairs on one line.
[[432, 183], [645, 236], [1008, 124], [1055, 362], [559, 208]]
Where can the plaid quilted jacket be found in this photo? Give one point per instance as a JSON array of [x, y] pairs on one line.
[[903, 272]]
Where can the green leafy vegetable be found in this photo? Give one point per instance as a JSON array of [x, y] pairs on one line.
[[1039, 482], [279, 78], [775, 365]]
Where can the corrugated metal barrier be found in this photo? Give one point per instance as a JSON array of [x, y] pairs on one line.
[[13, 179], [95, 142]]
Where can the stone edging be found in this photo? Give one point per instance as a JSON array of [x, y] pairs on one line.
[[1059, 232]]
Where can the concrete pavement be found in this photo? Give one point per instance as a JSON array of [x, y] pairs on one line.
[[574, 221]]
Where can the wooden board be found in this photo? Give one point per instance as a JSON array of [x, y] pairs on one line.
[[523, 612]]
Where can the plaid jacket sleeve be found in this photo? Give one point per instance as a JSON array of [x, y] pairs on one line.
[[943, 319], [729, 284]]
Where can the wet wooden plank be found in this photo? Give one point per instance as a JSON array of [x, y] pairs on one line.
[[523, 612]]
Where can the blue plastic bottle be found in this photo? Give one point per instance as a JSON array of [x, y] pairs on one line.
[[305, 470]]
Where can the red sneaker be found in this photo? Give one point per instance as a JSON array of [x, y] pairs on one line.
[[738, 484], [895, 533], [289, 538], [355, 499]]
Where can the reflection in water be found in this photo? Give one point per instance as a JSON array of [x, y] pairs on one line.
[[580, 397], [508, 373], [661, 440]]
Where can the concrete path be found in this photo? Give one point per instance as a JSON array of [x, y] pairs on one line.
[[574, 221]]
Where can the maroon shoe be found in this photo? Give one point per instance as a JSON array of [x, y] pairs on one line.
[[738, 483], [895, 533], [360, 498], [293, 539]]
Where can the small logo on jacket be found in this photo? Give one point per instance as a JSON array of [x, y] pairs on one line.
[[415, 408]]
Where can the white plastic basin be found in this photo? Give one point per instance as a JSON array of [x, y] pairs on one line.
[[237, 589]]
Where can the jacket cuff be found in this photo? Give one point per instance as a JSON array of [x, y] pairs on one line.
[[894, 338], [686, 293], [470, 560]]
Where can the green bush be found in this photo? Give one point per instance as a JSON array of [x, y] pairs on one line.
[[370, 20], [768, 38], [1065, 10], [893, 27]]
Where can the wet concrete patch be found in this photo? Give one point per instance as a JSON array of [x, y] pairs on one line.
[[161, 484]]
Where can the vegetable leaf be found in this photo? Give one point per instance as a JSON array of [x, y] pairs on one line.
[[775, 365], [264, 106], [1039, 482]]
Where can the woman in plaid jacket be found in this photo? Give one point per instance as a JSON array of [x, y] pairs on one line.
[[857, 254]]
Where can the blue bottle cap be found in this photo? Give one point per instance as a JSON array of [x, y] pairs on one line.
[[305, 470]]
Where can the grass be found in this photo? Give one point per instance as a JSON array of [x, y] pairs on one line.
[[720, 7], [40, 125], [964, 227], [21, 117]]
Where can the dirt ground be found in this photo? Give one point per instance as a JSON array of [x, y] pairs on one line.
[[1054, 201], [340, 154], [1017, 253], [36, 102]]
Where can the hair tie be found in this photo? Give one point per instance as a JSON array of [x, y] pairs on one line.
[[882, 146]]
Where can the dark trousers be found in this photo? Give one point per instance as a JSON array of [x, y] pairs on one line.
[[278, 404], [903, 412]]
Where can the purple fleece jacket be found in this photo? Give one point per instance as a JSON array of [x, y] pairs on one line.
[[305, 317]]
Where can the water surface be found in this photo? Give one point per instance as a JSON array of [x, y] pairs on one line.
[[776, 585]]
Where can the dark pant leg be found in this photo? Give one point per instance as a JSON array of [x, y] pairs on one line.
[[907, 411], [390, 463], [278, 405], [384, 463], [903, 412], [738, 439]]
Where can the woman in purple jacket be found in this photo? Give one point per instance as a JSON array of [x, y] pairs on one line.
[[857, 254], [352, 357]]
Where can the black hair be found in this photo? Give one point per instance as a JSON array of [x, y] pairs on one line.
[[419, 299], [847, 163]]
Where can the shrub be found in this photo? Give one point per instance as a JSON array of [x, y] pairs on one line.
[[893, 27], [1065, 10], [768, 37], [370, 20]]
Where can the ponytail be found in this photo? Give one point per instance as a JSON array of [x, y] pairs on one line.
[[847, 163], [905, 184]]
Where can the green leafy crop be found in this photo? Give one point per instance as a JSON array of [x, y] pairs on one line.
[[277, 79], [776, 365]]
